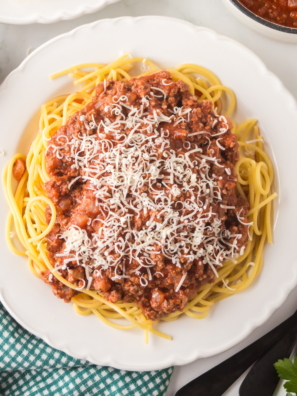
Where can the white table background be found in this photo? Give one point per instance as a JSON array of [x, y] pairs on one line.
[[281, 59]]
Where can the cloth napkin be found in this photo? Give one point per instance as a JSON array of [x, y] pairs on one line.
[[29, 367]]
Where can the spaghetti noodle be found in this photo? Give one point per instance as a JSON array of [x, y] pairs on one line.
[[34, 215]]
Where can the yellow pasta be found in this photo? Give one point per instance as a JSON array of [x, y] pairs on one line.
[[28, 202]]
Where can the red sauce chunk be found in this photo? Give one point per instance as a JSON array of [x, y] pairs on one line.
[[144, 184], [281, 12], [18, 169]]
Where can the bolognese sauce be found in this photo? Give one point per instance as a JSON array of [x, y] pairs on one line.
[[144, 185], [281, 12]]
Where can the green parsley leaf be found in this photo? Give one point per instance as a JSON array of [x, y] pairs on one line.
[[287, 370], [291, 386]]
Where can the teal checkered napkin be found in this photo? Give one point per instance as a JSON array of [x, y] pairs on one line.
[[29, 367]]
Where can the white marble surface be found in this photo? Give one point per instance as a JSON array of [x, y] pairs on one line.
[[281, 59]]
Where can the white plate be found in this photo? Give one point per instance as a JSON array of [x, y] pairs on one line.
[[23, 12], [168, 42]]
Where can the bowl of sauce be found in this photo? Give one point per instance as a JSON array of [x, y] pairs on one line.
[[276, 19]]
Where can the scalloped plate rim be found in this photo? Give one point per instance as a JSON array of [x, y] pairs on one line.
[[172, 359], [60, 15]]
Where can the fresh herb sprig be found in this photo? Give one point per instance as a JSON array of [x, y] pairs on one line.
[[287, 370]]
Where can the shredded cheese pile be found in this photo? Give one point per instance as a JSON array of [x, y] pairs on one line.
[[136, 174]]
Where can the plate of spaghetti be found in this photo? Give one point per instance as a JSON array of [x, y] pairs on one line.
[[143, 189], [23, 12]]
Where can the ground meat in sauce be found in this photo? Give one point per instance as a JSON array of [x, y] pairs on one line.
[[18, 169], [281, 12], [159, 283]]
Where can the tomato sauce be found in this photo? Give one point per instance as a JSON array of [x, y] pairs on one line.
[[171, 127], [281, 12]]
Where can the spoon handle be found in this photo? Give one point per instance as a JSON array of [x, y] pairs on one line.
[[263, 377], [217, 380]]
